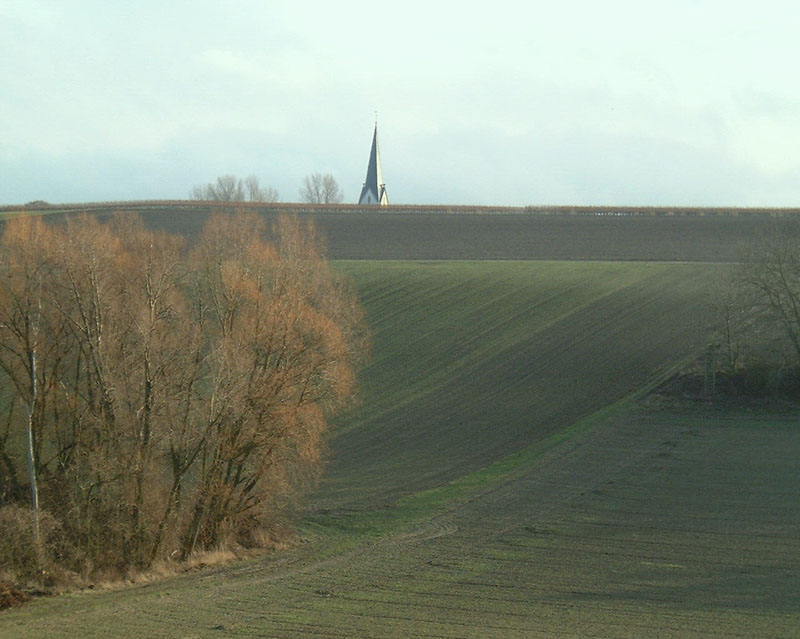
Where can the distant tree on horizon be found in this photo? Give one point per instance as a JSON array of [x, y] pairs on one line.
[[321, 189], [229, 188]]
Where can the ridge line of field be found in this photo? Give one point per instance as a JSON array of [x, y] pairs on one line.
[[39, 207]]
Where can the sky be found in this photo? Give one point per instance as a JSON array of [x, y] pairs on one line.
[[501, 103]]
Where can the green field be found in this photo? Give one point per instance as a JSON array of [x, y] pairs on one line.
[[506, 475], [474, 360], [500, 479]]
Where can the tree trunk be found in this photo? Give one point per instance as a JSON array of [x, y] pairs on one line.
[[37, 538]]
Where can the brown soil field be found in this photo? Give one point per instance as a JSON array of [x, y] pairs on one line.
[[435, 233]]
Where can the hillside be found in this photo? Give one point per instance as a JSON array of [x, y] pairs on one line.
[[474, 360], [502, 477]]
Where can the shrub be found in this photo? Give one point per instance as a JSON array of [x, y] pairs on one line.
[[19, 555]]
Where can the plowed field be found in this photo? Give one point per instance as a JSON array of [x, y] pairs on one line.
[[435, 235]]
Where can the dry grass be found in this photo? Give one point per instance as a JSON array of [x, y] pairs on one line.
[[11, 597], [278, 539]]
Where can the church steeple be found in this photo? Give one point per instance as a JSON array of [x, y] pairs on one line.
[[374, 191]]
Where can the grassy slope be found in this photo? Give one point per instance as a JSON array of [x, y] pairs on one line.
[[476, 359], [506, 509]]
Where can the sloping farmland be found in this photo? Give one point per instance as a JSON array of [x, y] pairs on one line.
[[475, 359], [499, 479]]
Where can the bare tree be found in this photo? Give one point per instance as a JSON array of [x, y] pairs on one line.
[[254, 192], [736, 321], [772, 279], [757, 313], [229, 188], [169, 397], [226, 188], [286, 332], [22, 335], [321, 189]]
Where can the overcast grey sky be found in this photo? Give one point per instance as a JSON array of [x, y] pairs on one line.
[[512, 103]]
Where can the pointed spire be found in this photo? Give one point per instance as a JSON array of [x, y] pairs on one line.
[[374, 191]]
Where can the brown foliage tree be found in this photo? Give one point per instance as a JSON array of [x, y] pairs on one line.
[[171, 397]]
